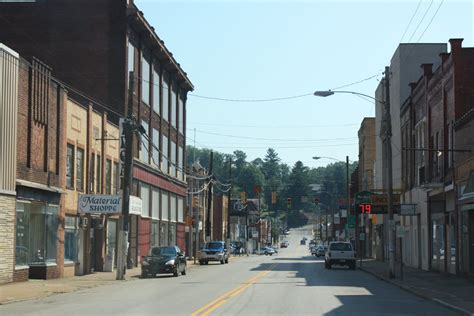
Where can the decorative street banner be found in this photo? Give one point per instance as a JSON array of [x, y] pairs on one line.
[[99, 204]]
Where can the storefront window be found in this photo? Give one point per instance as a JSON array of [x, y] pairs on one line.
[[37, 228], [154, 233], [108, 176], [71, 236], [70, 166]]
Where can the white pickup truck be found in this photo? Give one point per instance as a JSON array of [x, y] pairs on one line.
[[340, 253]]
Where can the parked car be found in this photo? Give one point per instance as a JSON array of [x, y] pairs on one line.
[[303, 242], [168, 259], [320, 251], [267, 251], [340, 253], [284, 244], [214, 251]]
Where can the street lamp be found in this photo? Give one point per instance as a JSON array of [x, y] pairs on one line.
[[386, 137]]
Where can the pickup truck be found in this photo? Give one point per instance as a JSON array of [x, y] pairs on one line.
[[340, 253]]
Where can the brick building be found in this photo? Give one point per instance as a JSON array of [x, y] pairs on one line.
[[93, 45], [435, 137], [219, 217]]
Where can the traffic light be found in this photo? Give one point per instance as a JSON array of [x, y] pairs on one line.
[[316, 201], [288, 200], [195, 201], [274, 197], [243, 197]]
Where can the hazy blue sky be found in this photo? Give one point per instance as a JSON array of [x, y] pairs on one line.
[[271, 49]]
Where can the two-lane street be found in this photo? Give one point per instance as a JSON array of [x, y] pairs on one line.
[[289, 283]]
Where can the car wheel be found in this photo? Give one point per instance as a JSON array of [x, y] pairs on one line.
[[144, 275], [176, 272], [201, 262], [184, 270], [222, 261], [266, 253], [206, 262], [227, 260], [271, 254]]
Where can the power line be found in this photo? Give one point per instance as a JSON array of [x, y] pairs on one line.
[[421, 21], [411, 20], [357, 82], [275, 139], [432, 18], [272, 126]]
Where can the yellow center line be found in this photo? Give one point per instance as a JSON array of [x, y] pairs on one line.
[[208, 308]]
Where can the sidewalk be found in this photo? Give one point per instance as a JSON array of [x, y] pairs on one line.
[[451, 291], [35, 289]]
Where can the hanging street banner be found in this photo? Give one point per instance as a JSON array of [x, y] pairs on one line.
[[99, 204]]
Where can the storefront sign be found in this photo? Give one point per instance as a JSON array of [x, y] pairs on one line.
[[135, 205], [99, 204]]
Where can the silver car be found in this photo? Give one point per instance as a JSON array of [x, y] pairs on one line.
[[214, 251]]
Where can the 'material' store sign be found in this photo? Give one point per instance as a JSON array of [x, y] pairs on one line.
[[99, 204]]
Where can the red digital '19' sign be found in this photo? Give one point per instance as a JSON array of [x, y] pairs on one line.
[[365, 208]]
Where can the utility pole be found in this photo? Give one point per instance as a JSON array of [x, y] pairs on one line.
[[388, 150], [348, 192], [229, 193], [209, 199], [197, 219], [127, 180]]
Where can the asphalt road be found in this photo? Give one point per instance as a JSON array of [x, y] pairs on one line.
[[289, 283]]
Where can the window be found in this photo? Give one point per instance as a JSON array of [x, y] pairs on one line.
[[155, 138], [71, 235], [180, 115], [155, 203], [145, 196], [154, 234], [156, 91], [145, 82], [37, 230], [116, 178], [144, 156], [165, 155], [180, 209], [99, 175], [173, 105], [80, 169], [180, 163], [131, 58], [165, 92], [108, 176], [173, 210], [70, 166], [173, 159], [164, 206], [92, 173]]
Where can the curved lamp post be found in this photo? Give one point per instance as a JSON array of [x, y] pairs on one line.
[[387, 135]]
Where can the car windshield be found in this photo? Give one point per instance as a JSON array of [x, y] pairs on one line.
[[163, 251], [341, 246], [214, 245]]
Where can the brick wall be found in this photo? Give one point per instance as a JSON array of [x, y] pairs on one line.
[[7, 237]]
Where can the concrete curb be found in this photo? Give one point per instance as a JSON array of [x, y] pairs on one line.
[[418, 293]]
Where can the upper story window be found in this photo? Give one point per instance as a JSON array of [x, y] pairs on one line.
[[80, 169], [165, 93], [181, 114], [144, 155], [174, 88], [173, 159], [131, 58], [145, 79], [165, 154], [108, 176], [155, 138], [70, 166], [156, 91]]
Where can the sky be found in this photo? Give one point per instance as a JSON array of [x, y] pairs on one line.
[[248, 53]]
